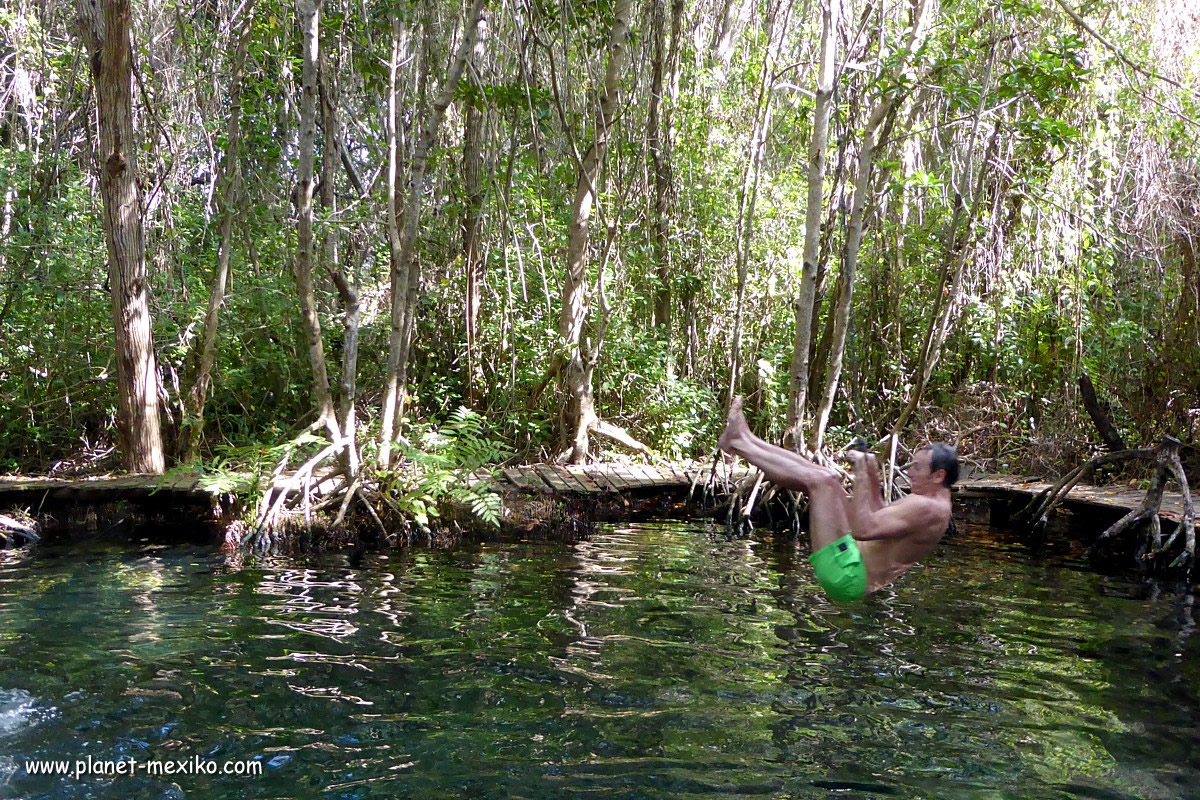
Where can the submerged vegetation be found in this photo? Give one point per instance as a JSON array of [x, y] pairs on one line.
[[590, 223]]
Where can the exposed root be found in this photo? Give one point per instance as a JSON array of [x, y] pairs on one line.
[[621, 436], [1152, 549]]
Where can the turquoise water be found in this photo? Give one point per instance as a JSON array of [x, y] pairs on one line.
[[656, 660]]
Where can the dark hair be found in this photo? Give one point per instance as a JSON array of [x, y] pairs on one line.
[[943, 456]]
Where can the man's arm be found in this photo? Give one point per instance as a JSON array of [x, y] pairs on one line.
[[866, 499], [867, 489], [902, 518]]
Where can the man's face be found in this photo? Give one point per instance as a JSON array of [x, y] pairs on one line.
[[919, 474]]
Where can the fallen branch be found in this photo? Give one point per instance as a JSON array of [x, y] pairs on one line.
[[16, 531]]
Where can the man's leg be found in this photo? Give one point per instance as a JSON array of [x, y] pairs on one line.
[[828, 506]]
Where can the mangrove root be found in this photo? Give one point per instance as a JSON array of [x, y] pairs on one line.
[[1153, 549]]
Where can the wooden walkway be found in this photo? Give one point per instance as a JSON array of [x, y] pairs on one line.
[[1115, 497], [597, 479]]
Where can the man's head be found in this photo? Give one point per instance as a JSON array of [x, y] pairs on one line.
[[935, 466]]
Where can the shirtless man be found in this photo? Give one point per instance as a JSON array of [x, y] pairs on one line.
[[859, 544]]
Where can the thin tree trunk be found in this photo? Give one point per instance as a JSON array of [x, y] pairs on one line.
[[216, 298], [747, 198], [308, 12], [720, 49], [577, 373], [400, 43], [660, 168], [953, 265], [346, 289], [348, 293], [473, 119], [329, 167], [866, 163], [798, 394], [406, 273], [106, 33], [6, 215]]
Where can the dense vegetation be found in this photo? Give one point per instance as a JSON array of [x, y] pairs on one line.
[[612, 218]]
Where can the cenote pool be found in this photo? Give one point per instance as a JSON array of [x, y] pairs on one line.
[[652, 660]]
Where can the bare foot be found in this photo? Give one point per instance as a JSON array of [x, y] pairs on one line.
[[736, 428]]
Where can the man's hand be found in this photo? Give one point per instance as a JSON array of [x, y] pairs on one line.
[[857, 457], [867, 496]]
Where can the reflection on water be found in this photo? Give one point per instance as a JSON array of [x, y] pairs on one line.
[[649, 661]]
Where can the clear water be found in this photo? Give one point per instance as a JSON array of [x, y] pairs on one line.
[[664, 660]]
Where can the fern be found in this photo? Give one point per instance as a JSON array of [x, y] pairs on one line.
[[442, 467]]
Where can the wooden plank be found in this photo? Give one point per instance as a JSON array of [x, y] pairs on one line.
[[567, 477], [526, 479], [573, 475], [639, 475], [614, 480], [667, 475], [598, 475], [622, 471], [552, 478], [484, 475], [681, 475], [581, 477], [661, 477], [645, 475]]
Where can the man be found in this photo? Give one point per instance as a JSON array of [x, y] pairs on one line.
[[859, 544]]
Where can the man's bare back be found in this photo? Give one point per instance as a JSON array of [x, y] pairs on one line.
[[889, 538]]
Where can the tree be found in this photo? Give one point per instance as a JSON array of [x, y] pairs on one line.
[[106, 35], [806, 296], [872, 134], [309, 13], [578, 366], [194, 403], [405, 276]]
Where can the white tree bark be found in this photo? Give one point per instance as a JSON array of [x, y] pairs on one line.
[[405, 273], [866, 163], [806, 296], [577, 372], [308, 12]]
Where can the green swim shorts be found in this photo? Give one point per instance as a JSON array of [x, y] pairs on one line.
[[840, 570]]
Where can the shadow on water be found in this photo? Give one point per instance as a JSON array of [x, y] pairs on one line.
[[653, 660]]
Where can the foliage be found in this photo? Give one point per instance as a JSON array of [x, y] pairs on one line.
[[444, 465], [1071, 203]]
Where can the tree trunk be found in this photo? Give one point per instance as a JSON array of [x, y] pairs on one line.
[[744, 227], [472, 167], [798, 394], [329, 167], [401, 40], [406, 273], [216, 298], [953, 262], [346, 289], [107, 37], [1108, 432], [577, 373], [660, 167], [866, 164], [310, 22]]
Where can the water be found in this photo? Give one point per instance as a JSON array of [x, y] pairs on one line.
[[664, 660]]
